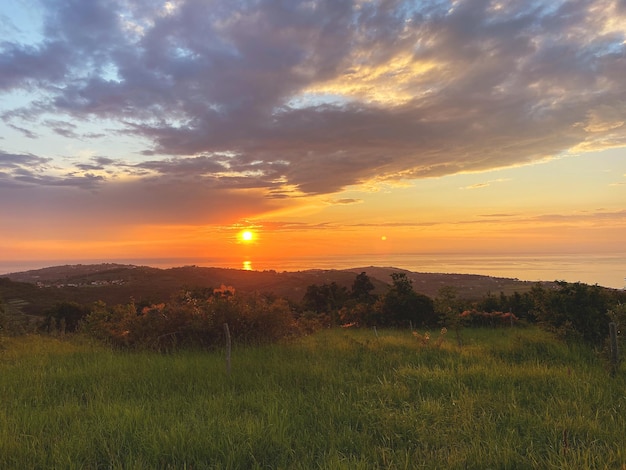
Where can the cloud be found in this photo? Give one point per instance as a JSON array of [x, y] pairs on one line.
[[310, 97], [599, 218], [477, 186], [61, 209], [486, 184], [98, 163], [86, 181], [25, 132], [605, 218], [26, 170], [345, 201]]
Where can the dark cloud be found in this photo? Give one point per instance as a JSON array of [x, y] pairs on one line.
[[12, 162], [103, 161], [86, 181], [93, 135], [88, 167], [63, 128], [25, 132], [26, 66], [98, 164], [320, 95], [66, 132], [26, 170], [185, 166]]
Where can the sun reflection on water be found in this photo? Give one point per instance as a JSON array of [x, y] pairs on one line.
[[247, 265]]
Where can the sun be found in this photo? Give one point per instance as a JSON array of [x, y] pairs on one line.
[[246, 236]]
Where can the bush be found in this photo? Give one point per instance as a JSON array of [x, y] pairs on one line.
[[479, 318], [402, 306], [575, 310], [65, 317], [189, 321]]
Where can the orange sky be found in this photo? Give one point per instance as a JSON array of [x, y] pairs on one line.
[[447, 127]]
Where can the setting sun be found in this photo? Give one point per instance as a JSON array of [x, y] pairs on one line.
[[356, 158]]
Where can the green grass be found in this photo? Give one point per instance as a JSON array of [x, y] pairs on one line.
[[509, 398]]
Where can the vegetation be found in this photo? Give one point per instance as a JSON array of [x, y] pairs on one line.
[[525, 382], [402, 306], [41, 289], [192, 320], [509, 398], [574, 311], [195, 316], [65, 316], [3, 320]]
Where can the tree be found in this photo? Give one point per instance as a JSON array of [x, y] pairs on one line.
[[68, 314], [325, 299], [574, 308], [491, 303], [522, 306], [362, 288], [401, 305]]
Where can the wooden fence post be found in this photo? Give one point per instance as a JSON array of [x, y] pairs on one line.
[[228, 347], [614, 347]]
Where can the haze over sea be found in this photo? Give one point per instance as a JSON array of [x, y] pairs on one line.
[[607, 270]]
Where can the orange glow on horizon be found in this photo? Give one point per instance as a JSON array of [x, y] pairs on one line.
[[517, 233]]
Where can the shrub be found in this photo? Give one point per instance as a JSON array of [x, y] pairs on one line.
[[475, 317], [189, 321], [575, 308], [401, 305], [425, 339]]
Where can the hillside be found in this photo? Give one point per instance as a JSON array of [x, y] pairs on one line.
[[34, 291]]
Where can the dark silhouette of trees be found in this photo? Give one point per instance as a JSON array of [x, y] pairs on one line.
[[574, 309], [324, 298], [65, 316], [401, 305], [192, 321], [362, 288]]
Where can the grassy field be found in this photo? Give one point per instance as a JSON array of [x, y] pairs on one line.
[[509, 398]]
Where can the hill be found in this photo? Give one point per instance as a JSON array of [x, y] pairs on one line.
[[32, 292]]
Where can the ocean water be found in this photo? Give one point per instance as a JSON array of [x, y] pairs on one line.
[[607, 270]]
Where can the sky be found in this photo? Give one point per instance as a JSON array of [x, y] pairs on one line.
[[148, 128]]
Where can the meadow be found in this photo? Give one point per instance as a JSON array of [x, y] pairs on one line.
[[507, 398]]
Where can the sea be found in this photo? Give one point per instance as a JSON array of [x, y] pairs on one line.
[[608, 270]]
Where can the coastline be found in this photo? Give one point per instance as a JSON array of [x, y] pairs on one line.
[[608, 270]]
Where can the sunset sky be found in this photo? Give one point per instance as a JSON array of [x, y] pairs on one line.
[[145, 128]]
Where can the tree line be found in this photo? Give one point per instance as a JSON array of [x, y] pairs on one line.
[[571, 310], [195, 317]]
